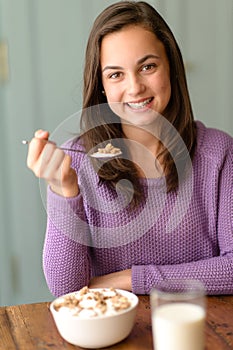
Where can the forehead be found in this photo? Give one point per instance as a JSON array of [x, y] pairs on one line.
[[130, 42]]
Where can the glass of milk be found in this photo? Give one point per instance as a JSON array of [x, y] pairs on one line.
[[178, 315]]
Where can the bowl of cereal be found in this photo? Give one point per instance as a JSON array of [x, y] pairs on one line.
[[95, 318]]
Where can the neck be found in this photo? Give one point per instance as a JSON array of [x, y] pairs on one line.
[[141, 137], [143, 147]]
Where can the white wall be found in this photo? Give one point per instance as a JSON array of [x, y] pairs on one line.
[[204, 31]]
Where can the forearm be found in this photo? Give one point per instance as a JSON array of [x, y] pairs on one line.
[[65, 263], [66, 254], [215, 273], [120, 280]]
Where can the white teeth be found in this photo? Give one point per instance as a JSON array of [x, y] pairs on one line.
[[139, 104]]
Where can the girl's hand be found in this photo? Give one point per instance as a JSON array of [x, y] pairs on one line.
[[49, 162], [120, 280]]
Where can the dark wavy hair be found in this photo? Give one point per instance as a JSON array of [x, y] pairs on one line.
[[99, 123]]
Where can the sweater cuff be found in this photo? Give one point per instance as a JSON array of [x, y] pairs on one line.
[[138, 279], [67, 216], [54, 200]]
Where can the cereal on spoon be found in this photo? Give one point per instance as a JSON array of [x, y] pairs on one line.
[[108, 151]]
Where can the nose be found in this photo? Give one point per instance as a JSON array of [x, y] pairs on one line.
[[135, 85]]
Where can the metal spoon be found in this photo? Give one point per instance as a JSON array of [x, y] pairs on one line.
[[94, 155]]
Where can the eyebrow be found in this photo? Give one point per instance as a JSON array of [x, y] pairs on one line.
[[140, 61]]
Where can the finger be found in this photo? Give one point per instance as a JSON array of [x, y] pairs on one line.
[[47, 155], [49, 163], [66, 163], [36, 146], [42, 134], [66, 167], [35, 149]]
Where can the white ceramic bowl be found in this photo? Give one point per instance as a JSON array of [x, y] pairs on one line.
[[98, 331]]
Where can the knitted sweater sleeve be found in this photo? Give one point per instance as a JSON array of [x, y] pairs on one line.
[[66, 250], [217, 272]]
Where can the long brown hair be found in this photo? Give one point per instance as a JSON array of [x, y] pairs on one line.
[[100, 124]]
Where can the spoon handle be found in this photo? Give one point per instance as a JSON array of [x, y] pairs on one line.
[[25, 142], [72, 150]]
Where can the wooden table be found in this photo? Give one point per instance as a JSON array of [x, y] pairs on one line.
[[30, 326]]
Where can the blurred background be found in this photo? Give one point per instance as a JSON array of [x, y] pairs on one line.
[[42, 46]]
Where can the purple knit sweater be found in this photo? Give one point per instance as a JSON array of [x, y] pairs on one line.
[[186, 235]]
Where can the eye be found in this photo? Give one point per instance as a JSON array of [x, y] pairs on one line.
[[148, 67], [115, 75]]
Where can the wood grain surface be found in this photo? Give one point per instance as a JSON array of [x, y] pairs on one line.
[[31, 327]]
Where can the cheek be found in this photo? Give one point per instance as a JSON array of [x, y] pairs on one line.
[[113, 93], [166, 88]]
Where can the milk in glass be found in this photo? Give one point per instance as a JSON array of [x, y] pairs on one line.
[[178, 326]]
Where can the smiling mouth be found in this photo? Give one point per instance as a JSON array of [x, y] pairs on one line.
[[139, 105]]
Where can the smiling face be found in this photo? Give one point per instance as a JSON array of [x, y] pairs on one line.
[[135, 74]]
